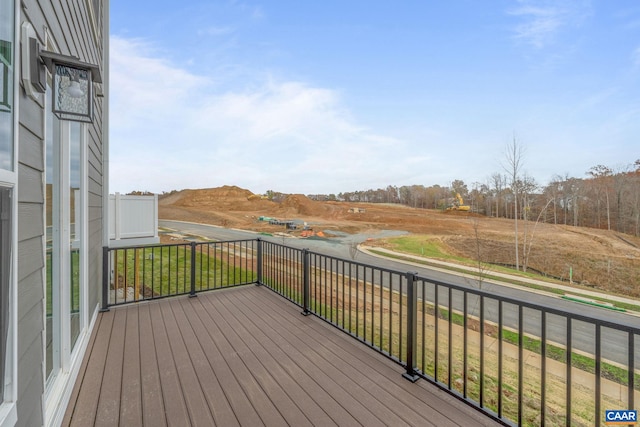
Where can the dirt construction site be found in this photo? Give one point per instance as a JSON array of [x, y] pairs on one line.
[[597, 259]]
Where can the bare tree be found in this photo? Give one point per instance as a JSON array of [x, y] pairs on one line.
[[526, 250], [458, 186], [514, 154], [482, 264], [553, 191], [526, 187], [602, 176], [497, 183], [635, 197]]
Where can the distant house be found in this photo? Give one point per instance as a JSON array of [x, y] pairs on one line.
[[53, 192]]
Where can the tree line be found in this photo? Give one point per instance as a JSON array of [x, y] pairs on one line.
[[606, 198]]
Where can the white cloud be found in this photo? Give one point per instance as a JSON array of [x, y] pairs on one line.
[[171, 129], [542, 20], [540, 27], [144, 86]]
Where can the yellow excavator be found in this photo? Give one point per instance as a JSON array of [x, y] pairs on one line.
[[458, 205]]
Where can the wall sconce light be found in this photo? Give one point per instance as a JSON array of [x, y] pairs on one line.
[[72, 86], [72, 94]]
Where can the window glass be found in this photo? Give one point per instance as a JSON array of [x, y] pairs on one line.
[[5, 279], [6, 84], [75, 228], [64, 173]]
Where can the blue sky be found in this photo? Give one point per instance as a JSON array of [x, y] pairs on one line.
[[323, 97]]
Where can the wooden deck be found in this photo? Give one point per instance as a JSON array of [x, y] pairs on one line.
[[244, 356]]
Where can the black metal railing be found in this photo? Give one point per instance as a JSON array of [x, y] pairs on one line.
[[157, 271], [516, 361]]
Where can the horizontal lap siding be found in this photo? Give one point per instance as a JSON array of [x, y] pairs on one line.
[[69, 26], [30, 262], [31, 151], [95, 265]]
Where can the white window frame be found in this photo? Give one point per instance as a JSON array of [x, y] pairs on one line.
[[60, 385], [64, 163], [8, 413], [9, 179]]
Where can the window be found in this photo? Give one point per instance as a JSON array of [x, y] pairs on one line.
[[6, 83], [65, 241], [75, 229]]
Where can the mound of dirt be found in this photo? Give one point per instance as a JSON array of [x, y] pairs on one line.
[[226, 198], [301, 205]]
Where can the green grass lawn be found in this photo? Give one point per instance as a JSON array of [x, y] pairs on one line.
[[425, 246], [75, 282], [166, 270]]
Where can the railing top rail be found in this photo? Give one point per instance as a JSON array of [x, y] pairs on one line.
[[187, 243], [359, 264], [151, 246], [271, 242]]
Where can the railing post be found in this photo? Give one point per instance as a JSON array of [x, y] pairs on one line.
[[193, 270], [305, 282], [631, 370], [105, 279], [259, 279], [411, 373]]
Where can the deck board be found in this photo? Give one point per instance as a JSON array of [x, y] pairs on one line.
[[212, 390], [108, 413], [244, 356], [131, 395], [196, 403], [173, 398], [83, 368], [151, 389], [90, 380], [239, 402]]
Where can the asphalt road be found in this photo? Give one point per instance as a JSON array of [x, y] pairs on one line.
[[614, 344]]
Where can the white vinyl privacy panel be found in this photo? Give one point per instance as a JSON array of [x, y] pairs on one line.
[[133, 220]]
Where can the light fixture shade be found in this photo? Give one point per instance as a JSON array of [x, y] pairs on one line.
[[72, 93]]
